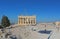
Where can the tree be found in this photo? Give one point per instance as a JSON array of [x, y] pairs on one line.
[[5, 21], [1, 27]]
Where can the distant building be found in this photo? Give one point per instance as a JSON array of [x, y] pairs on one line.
[[26, 20], [57, 23]]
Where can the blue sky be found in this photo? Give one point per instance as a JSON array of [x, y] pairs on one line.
[[45, 10]]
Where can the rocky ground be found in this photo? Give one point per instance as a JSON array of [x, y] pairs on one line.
[[31, 32]]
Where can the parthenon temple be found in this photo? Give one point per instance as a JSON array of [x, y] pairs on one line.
[[26, 20]]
